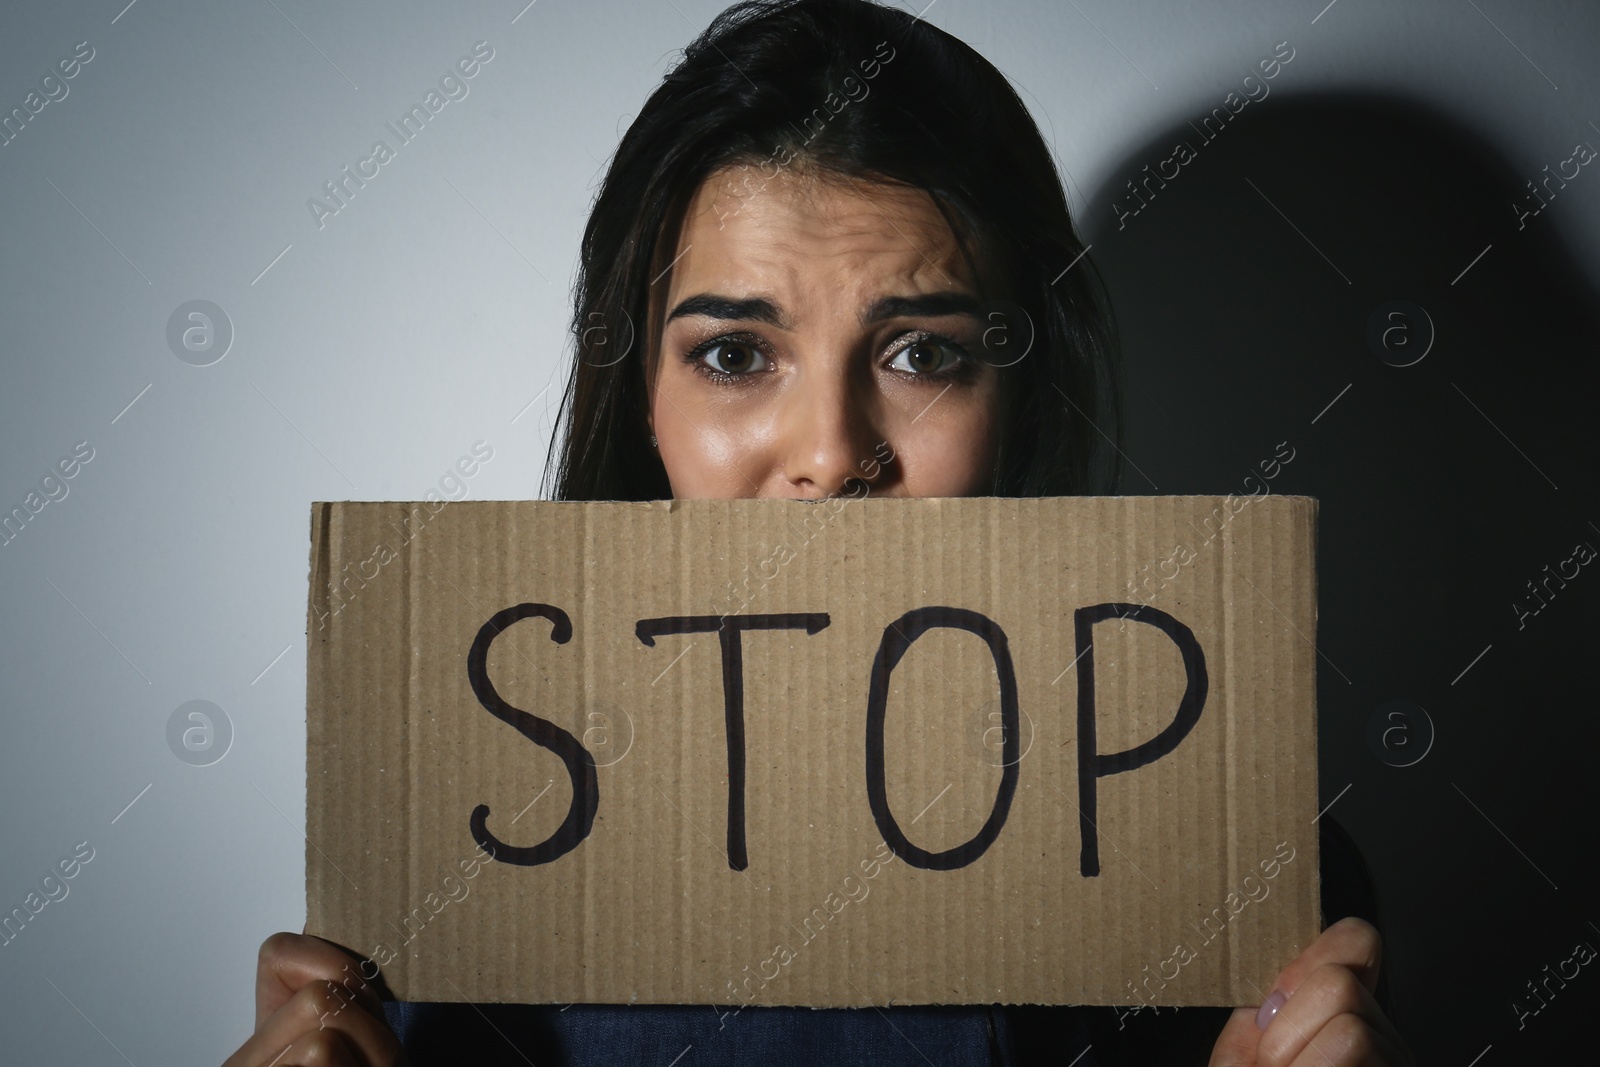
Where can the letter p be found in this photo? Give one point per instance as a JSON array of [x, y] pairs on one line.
[[1094, 765]]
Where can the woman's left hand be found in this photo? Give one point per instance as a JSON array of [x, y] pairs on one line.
[[1325, 1012]]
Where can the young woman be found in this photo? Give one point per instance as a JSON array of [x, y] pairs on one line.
[[831, 255]]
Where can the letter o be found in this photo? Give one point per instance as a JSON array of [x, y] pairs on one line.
[[898, 637]]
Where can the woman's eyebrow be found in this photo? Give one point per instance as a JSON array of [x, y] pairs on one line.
[[760, 309], [925, 304], [716, 306]]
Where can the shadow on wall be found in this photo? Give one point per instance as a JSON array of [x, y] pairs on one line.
[[1361, 283]]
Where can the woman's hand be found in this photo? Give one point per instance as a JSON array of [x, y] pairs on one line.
[[315, 1007], [1325, 1014]]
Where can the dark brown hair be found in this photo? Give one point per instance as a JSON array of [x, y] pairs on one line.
[[867, 91]]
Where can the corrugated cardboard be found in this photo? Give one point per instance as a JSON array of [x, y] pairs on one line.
[[774, 752]]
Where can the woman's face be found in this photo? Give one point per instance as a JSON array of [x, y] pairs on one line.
[[821, 335]]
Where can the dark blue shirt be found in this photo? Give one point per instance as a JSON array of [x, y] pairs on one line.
[[680, 1036]]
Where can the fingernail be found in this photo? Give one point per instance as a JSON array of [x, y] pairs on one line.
[[1269, 1008]]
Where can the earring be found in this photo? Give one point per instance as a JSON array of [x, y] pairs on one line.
[[653, 441]]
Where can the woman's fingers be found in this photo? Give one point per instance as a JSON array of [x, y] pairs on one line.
[[320, 1048], [1333, 1017], [287, 962], [319, 1021], [1347, 1041], [1236, 1045], [315, 1004], [1351, 942], [1325, 1010]]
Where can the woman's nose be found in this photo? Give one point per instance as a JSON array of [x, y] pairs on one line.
[[827, 438]]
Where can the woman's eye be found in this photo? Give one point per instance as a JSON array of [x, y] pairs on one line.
[[926, 356], [732, 357]]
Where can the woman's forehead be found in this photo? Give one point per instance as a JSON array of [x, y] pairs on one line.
[[746, 231]]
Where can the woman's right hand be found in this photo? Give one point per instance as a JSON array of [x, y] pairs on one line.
[[314, 1009]]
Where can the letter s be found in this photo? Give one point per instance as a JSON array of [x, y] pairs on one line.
[[78, 51], [483, 51], [579, 761], [77, 451], [486, 454], [77, 850]]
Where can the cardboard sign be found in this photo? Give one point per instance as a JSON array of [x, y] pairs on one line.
[[861, 751]]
